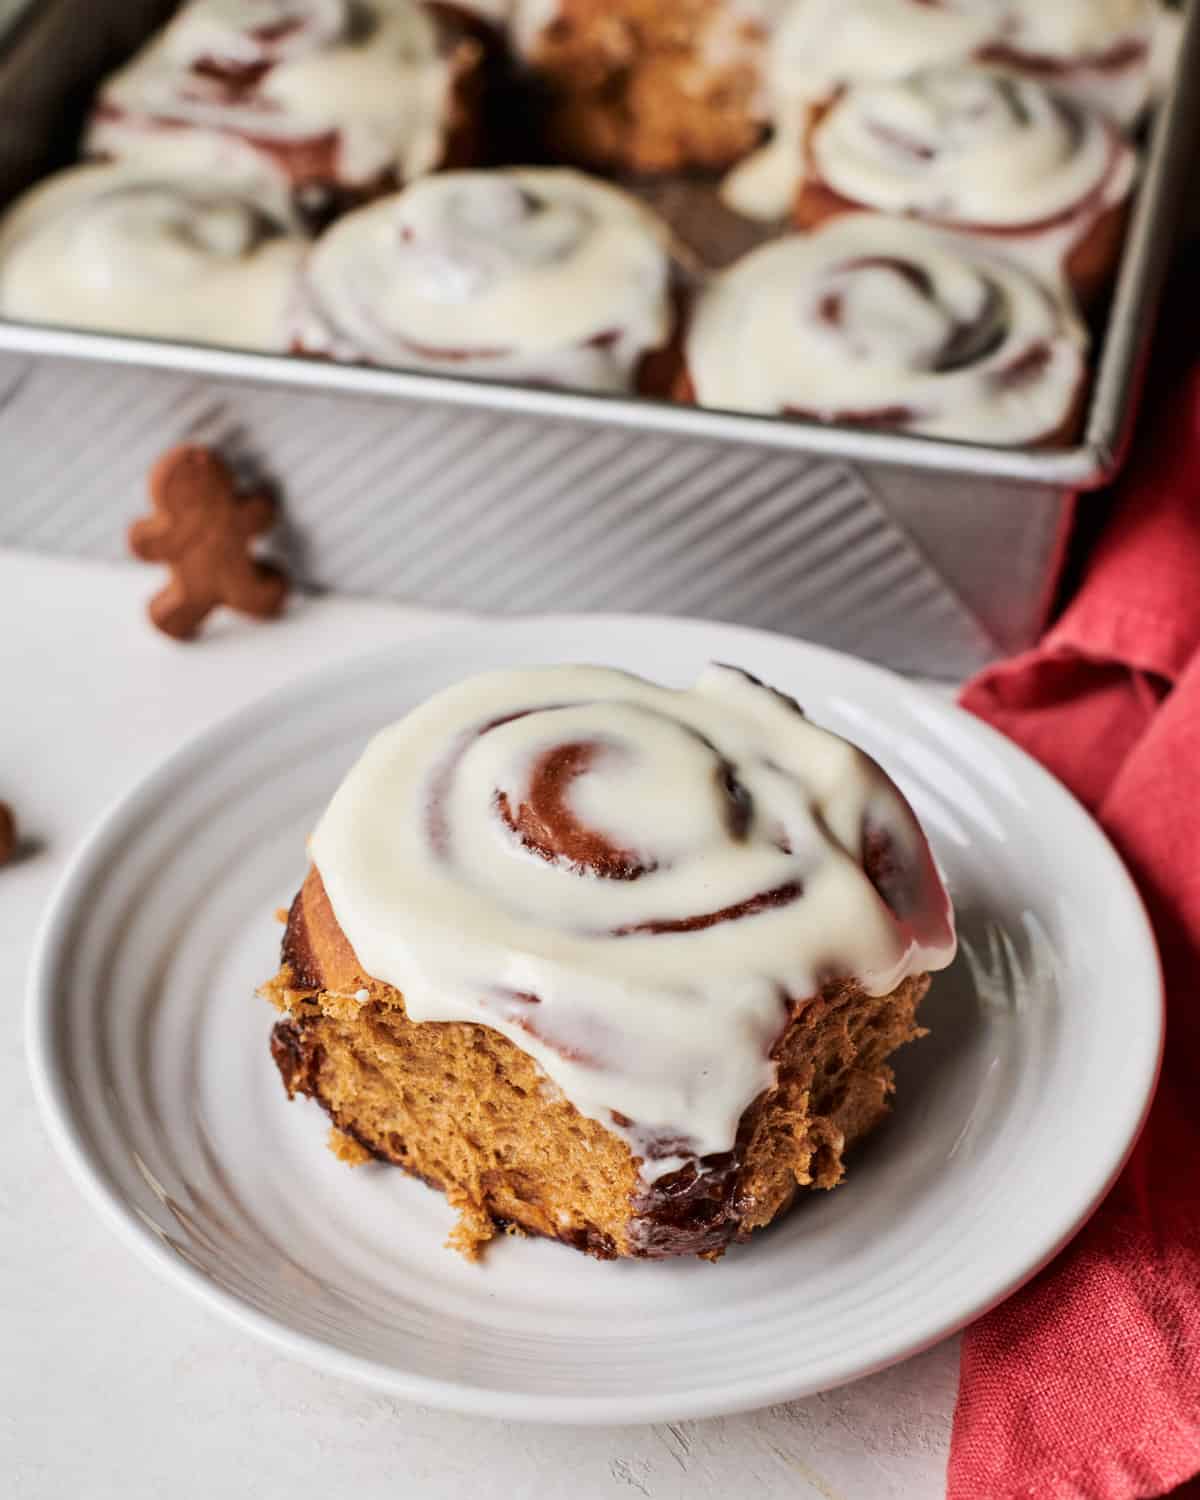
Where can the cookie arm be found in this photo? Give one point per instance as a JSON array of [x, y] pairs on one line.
[[150, 540]]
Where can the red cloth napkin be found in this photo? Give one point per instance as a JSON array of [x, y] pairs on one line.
[[1086, 1384]]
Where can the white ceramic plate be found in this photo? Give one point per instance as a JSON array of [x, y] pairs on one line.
[[149, 1055]]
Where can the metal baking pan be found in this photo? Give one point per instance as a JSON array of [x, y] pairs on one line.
[[928, 555]]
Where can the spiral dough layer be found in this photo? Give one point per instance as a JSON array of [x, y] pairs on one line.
[[527, 274], [122, 250], [635, 885], [882, 322]]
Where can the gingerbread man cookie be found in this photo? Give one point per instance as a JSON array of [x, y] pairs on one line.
[[201, 528], [8, 834]]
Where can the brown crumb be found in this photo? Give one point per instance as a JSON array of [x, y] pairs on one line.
[[474, 1229], [281, 915], [347, 1149]]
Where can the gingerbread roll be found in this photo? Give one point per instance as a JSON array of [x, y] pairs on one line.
[[1042, 176], [1096, 51], [537, 275], [317, 104], [666, 940], [886, 323], [122, 250]]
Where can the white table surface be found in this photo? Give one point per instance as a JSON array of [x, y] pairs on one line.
[[111, 1385]]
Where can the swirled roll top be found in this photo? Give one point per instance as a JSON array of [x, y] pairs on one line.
[[1097, 50], [882, 322], [237, 36], [237, 82], [524, 273], [122, 250], [636, 885], [968, 147]]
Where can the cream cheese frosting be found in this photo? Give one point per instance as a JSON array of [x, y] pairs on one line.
[[373, 77], [635, 885], [523, 273], [120, 250], [886, 322], [822, 43], [1098, 52], [970, 147]]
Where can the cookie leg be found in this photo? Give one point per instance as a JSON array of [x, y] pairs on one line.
[[259, 589], [179, 612]]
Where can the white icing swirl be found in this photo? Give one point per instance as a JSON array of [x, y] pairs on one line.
[[114, 249], [632, 884], [242, 34], [968, 147], [1097, 52], [822, 43], [887, 323], [1071, 32], [527, 274], [247, 75]]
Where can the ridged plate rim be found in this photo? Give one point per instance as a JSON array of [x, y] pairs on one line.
[[1023, 1259]]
